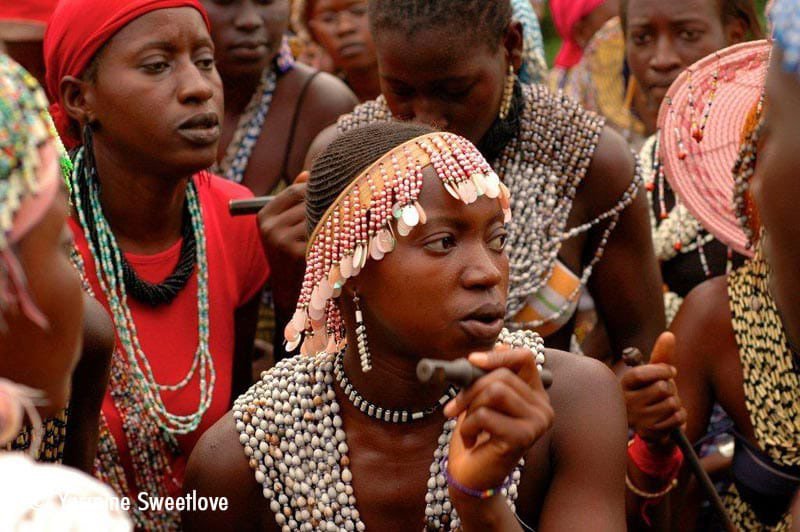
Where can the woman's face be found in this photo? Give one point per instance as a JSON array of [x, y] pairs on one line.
[[247, 33], [776, 187], [450, 81], [156, 94], [45, 359], [663, 38], [342, 28], [442, 291]]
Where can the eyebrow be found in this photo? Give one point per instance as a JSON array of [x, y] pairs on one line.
[[171, 47], [459, 223]]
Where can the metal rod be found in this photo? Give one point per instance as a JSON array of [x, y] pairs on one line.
[[248, 206], [460, 372], [633, 358]]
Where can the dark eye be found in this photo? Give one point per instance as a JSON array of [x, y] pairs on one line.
[[498, 243], [156, 67], [640, 39], [441, 245], [207, 63], [358, 10], [690, 35]]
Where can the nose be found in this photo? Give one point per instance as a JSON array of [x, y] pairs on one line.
[[427, 112], [344, 24], [665, 58], [195, 85], [247, 17], [481, 269]]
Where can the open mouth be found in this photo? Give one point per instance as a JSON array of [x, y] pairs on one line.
[[484, 323]]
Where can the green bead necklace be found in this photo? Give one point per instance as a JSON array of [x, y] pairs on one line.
[[108, 262]]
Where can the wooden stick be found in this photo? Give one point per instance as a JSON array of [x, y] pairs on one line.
[[248, 206], [460, 372], [633, 358]]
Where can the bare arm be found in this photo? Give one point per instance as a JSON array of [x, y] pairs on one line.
[[89, 381], [218, 468], [626, 282], [587, 489]]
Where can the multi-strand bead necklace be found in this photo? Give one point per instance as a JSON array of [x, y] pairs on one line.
[[295, 441]]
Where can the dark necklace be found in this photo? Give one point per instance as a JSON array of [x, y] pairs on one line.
[[501, 132], [150, 294]]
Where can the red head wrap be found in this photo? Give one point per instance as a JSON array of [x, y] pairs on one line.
[[566, 14], [78, 29]]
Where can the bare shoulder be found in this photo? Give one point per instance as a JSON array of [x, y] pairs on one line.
[[218, 467], [322, 141], [325, 93], [611, 170], [582, 386]]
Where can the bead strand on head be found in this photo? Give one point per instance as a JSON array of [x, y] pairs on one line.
[[362, 221]]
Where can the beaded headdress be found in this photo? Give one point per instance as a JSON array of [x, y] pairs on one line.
[[27, 188], [785, 18], [701, 123], [365, 218]]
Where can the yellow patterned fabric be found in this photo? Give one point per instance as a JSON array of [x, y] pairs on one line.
[[771, 378]]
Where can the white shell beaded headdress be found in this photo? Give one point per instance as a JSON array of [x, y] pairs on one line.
[[362, 221]]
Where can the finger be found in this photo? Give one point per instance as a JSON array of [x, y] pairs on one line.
[[674, 421], [272, 221], [653, 394], [664, 350], [288, 197], [504, 397], [465, 397], [644, 376], [302, 177], [519, 360], [506, 432]]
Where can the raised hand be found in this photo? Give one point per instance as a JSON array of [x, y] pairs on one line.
[[651, 396], [500, 417]]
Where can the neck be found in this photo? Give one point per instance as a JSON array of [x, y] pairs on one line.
[[239, 90], [365, 83], [392, 382], [143, 209]]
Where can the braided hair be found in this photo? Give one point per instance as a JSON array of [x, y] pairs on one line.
[[488, 19], [347, 157]]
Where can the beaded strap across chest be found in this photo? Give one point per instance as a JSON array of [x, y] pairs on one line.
[[543, 167]]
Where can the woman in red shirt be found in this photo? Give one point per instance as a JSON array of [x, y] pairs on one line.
[[139, 99]]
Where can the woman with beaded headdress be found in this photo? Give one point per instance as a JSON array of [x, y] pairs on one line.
[[41, 311], [574, 180], [735, 336], [341, 437], [662, 40], [180, 277]]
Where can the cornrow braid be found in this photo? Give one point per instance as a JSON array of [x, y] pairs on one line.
[[347, 157], [488, 18]]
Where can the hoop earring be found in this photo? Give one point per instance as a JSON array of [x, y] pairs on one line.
[[361, 334], [508, 93]]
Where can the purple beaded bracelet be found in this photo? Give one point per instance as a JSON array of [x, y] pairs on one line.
[[478, 494]]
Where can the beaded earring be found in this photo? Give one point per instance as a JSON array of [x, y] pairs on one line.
[[361, 333], [508, 93]]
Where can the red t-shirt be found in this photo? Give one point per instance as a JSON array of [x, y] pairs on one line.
[[237, 270]]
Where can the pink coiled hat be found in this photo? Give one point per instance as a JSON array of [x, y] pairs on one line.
[[700, 125]]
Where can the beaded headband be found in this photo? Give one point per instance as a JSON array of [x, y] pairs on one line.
[[358, 225]]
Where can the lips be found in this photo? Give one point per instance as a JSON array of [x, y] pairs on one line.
[[249, 50], [351, 49], [484, 323], [201, 129]]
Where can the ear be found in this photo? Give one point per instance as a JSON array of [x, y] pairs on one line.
[[735, 31], [76, 98], [514, 43]]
